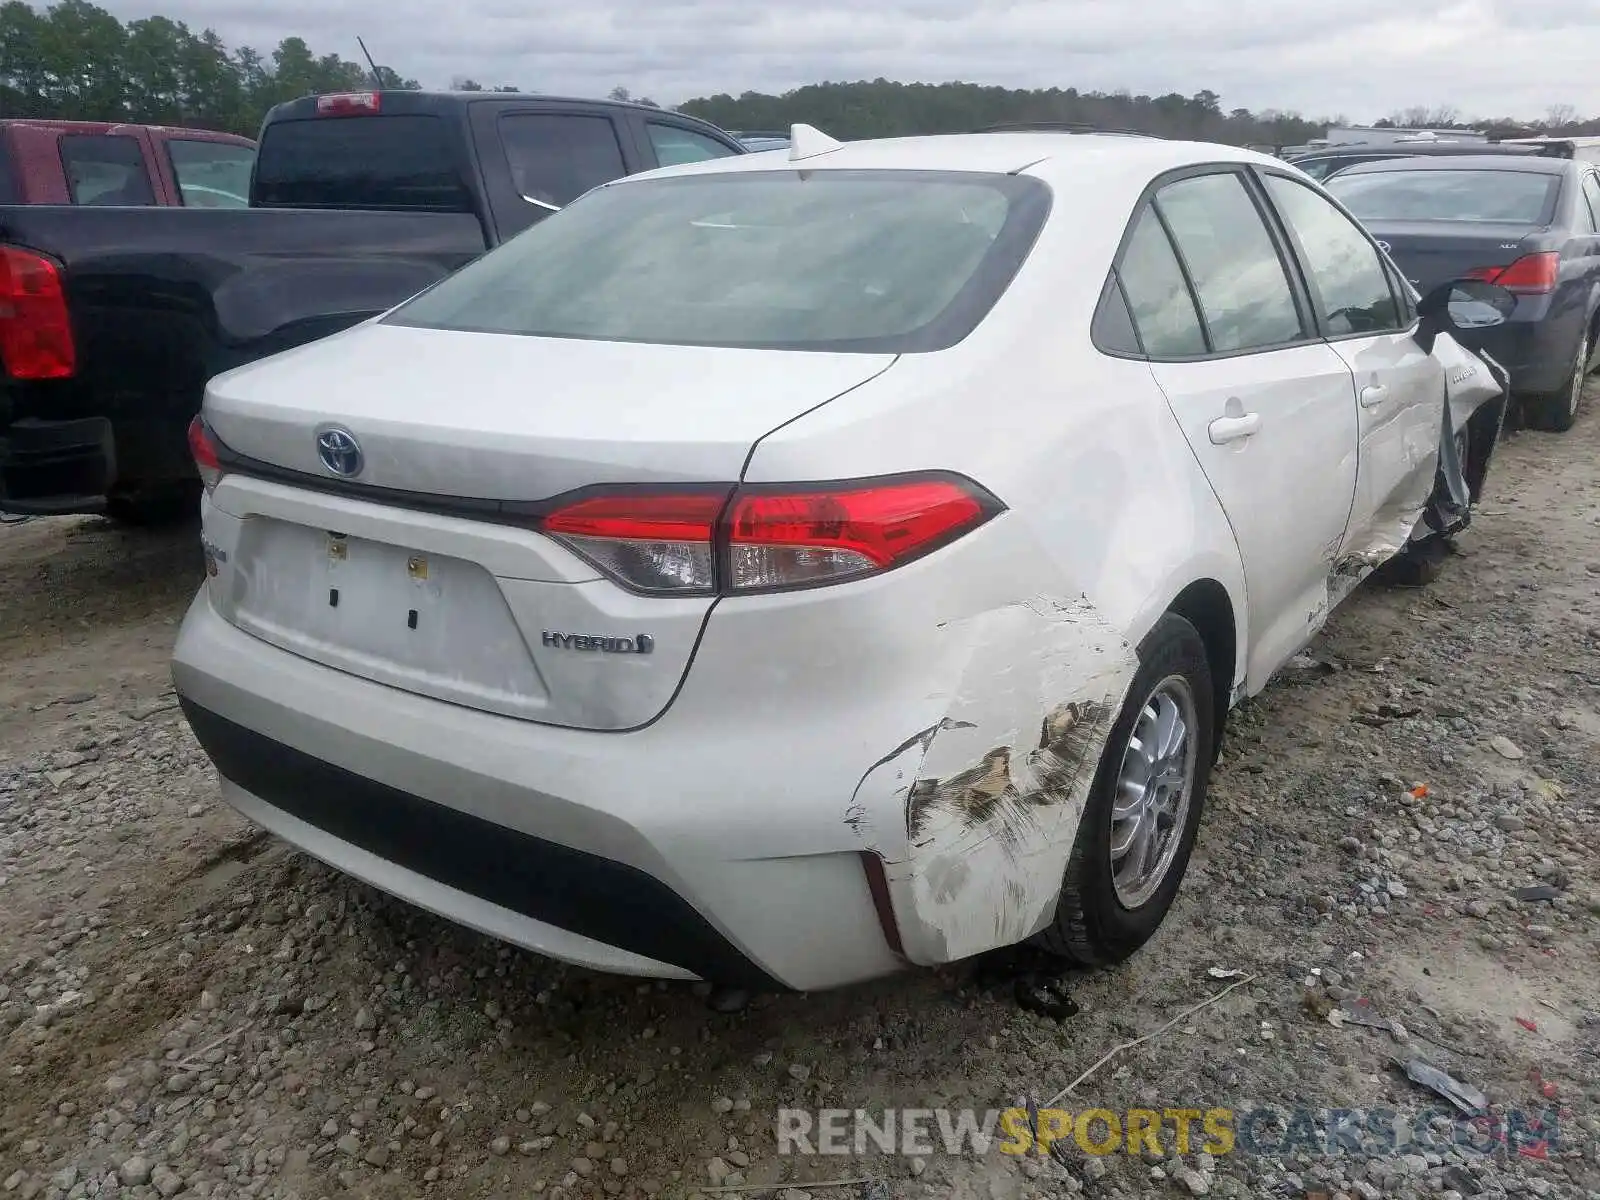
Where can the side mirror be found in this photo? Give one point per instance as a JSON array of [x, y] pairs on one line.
[[1462, 306]]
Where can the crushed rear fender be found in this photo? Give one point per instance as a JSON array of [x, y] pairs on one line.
[[974, 817]]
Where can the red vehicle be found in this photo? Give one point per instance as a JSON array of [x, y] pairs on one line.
[[100, 163]]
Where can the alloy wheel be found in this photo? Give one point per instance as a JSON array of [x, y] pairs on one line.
[[1154, 785]]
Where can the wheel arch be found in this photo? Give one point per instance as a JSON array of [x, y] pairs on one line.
[[1206, 605]]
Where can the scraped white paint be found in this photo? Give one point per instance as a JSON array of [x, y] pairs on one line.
[[975, 818]]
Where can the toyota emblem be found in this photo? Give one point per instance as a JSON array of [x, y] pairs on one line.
[[1384, 246], [339, 451]]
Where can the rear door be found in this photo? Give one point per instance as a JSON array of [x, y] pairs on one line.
[[1265, 404], [537, 159], [1400, 389]]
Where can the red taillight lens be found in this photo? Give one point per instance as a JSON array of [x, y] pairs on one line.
[[1532, 274], [35, 330], [772, 537], [349, 104], [793, 538], [204, 451], [651, 542]]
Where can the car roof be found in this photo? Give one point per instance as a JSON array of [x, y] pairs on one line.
[[396, 100], [1536, 164], [1419, 149], [1038, 153], [101, 128]]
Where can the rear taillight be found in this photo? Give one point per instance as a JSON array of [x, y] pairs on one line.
[[349, 104], [650, 542], [1532, 274], [767, 537], [204, 451], [791, 538], [35, 330]]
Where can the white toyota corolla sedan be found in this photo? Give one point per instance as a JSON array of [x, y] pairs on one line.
[[784, 569]]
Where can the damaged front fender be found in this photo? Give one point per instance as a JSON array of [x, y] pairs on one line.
[[1478, 390], [974, 817]]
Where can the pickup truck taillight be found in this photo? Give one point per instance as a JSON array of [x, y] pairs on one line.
[[766, 537], [349, 104], [35, 330]]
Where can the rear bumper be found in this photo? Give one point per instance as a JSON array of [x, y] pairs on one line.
[[50, 467], [68, 449], [668, 852], [1537, 353], [589, 907]]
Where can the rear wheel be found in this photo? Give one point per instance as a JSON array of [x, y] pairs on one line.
[[1139, 825], [1557, 411]]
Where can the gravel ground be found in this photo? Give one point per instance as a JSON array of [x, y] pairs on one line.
[[188, 1008]]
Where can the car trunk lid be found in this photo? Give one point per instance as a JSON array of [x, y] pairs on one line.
[[1434, 252], [519, 418], [425, 570]]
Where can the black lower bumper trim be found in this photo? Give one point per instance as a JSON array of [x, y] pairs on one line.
[[57, 466], [582, 893]]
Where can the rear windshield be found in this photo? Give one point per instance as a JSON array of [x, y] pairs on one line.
[[398, 162], [1511, 197], [870, 261]]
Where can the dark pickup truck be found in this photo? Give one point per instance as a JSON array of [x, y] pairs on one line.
[[112, 319]]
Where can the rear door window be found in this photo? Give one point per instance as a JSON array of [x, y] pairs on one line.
[[211, 174], [675, 145], [407, 161], [1163, 307], [106, 169], [557, 157], [1238, 277]]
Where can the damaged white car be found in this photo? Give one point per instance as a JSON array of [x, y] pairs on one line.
[[780, 571]]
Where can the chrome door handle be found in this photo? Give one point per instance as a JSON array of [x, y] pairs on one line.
[[1232, 429], [1373, 395]]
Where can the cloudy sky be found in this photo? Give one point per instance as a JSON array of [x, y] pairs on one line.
[[1361, 58]]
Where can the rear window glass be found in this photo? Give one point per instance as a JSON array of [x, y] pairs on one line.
[[106, 169], [1510, 197], [398, 162], [879, 262]]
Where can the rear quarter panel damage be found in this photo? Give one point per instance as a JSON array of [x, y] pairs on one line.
[[974, 817]]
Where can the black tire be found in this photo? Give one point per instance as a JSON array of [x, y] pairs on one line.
[[1092, 926], [1557, 411]]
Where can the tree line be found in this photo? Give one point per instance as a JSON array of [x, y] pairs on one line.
[[75, 60], [885, 108]]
